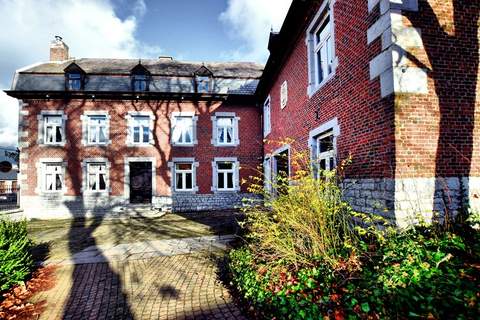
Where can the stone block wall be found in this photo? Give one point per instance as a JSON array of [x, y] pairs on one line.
[[204, 202]]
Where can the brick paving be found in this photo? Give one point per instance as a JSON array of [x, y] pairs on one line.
[[182, 286], [150, 268]]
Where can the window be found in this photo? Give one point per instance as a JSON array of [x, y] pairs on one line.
[[96, 176], [139, 82], [325, 151], [97, 129], [183, 131], [74, 81], [320, 36], [184, 177], [225, 174], [203, 84], [266, 117], [53, 129], [284, 94], [225, 130], [267, 174], [323, 50], [140, 129], [322, 141], [53, 179], [140, 77]]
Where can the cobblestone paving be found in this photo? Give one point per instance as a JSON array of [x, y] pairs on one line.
[[163, 287], [138, 268]]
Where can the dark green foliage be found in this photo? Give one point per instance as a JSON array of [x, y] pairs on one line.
[[422, 273], [414, 274], [15, 258]]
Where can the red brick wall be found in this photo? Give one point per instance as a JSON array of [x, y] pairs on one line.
[[439, 134], [248, 153], [365, 120]]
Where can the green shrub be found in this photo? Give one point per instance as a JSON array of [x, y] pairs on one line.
[[421, 273], [306, 259], [307, 220], [415, 274], [15, 258]]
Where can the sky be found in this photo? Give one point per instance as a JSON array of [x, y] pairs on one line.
[[194, 30]]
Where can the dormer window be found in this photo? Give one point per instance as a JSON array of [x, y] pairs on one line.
[[74, 77], [140, 78], [203, 84], [74, 81], [139, 82], [203, 80]]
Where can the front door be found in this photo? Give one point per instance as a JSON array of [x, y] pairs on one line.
[[140, 182]]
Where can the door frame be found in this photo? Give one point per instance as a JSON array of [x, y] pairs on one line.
[[274, 156], [126, 183]]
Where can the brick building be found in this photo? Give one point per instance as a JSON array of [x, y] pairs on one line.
[[394, 85], [102, 136], [391, 83]]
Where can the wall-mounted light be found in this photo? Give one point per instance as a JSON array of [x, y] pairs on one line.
[[47, 97], [93, 97]]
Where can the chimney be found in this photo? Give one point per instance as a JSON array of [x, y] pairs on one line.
[[165, 58], [58, 50]]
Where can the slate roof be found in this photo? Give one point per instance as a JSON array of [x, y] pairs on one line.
[[104, 75], [155, 66]]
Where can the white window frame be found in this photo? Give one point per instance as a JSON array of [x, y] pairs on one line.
[[86, 127], [235, 138], [326, 155], [267, 109], [41, 166], [86, 174], [328, 128], [325, 10], [236, 174], [284, 94], [42, 127], [173, 120], [267, 173], [274, 168], [130, 125], [173, 168]]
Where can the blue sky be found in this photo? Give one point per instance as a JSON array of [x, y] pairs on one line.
[[199, 30], [185, 29]]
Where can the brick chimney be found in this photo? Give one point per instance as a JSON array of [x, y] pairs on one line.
[[58, 50]]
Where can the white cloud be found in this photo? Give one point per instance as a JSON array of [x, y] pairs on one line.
[[139, 8], [250, 21], [8, 120], [90, 28]]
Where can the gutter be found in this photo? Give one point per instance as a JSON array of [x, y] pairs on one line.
[[129, 95]]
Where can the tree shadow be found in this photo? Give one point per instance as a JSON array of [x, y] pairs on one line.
[[97, 289], [80, 300], [453, 53]]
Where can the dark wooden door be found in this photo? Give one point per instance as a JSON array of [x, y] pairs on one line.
[[140, 182]]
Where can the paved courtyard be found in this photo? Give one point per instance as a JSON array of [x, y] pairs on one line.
[[166, 276]]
